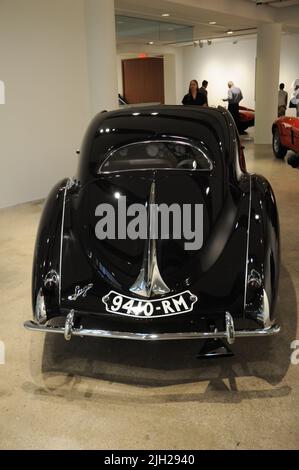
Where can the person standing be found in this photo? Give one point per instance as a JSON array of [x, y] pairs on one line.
[[194, 96], [234, 96], [295, 97], [282, 100], [203, 93]]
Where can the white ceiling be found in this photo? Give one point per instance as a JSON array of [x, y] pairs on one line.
[[241, 16]]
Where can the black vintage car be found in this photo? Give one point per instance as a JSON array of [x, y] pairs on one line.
[[107, 264]]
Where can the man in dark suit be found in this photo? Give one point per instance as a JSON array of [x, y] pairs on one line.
[[203, 93]]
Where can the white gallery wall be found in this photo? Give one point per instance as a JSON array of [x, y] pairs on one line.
[[180, 83], [219, 63], [43, 66], [223, 61], [289, 60]]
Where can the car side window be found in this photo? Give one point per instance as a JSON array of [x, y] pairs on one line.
[[157, 154]]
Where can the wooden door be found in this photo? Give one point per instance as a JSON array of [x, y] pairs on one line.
[[143, 80]]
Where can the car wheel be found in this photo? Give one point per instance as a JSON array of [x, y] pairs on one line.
[[278, 149], [293, 160]]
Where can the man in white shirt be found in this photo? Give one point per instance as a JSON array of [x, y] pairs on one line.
[[234, 96], [295, 96]]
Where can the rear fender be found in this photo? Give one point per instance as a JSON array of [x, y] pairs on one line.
[[263, 253], [46, 261]]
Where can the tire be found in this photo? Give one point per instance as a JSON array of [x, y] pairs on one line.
[[293, 160], [243, 127], [279, 150]]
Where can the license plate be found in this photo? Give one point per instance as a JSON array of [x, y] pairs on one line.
[[130, 306]]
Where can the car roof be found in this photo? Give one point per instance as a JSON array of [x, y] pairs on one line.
[[212, 127], [183, 112]]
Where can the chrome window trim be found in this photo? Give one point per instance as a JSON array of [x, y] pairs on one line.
[[163, 141]]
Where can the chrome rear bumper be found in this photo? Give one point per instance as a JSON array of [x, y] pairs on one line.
[[229, 334]]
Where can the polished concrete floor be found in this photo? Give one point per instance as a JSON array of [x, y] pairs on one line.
[[105, 394]]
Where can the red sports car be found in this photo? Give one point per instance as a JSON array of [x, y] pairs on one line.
[[246, 116], [285, 132]]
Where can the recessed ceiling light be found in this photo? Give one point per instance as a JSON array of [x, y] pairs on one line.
[[212, 22], [165, 14], [151, 43], [229, 31]]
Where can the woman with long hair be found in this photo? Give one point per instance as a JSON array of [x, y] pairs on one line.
[[196, 95]]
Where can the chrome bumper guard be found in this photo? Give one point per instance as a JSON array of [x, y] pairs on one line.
[[229, 334]]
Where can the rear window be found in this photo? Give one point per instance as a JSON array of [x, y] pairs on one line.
[[157, 155]]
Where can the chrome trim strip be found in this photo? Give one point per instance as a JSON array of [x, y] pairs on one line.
[[247, 245], [149, 280], [40, 312], [181, 142], [68, 184], [149, 169], [30, 325], [264, 313], [266, 310]]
